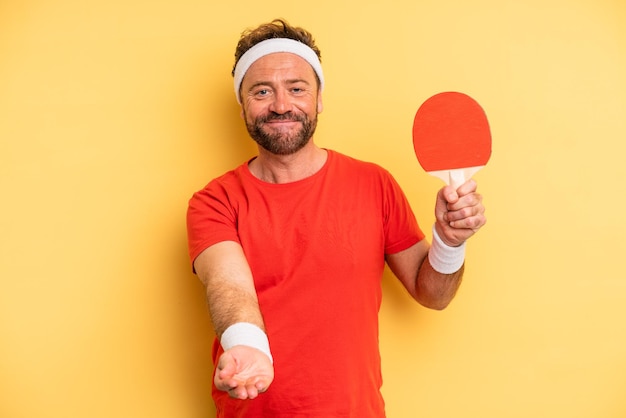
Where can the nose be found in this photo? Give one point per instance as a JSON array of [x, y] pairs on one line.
[[280, 103]]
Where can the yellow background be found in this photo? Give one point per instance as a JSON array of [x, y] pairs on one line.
[[113, 112]]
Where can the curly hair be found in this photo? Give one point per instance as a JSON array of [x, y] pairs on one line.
[[277, 28]]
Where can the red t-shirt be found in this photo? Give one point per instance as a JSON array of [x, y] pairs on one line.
[[317, 249]]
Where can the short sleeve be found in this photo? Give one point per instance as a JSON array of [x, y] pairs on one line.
[[211, 218], [401, 227]]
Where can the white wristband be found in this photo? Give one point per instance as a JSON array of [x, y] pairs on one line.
[[443, 258], [244, 333]]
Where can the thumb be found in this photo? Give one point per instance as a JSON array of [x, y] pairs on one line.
[[445, 196], [225, 373], [226, 366], [449, 194]]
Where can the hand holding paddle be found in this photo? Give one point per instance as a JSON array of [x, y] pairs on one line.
[[451, 137]]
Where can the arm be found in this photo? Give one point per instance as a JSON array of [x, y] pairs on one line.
[[242, 370], [430, 288], [459, 215], [224, 271]]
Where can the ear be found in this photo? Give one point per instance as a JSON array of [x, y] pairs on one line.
[[241, 112], [320, 104]]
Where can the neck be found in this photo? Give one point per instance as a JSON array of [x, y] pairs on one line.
[[279, 169]]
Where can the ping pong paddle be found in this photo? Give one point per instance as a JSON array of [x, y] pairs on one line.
[[451, 137]]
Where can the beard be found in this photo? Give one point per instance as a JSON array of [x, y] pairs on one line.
[[282, 143]]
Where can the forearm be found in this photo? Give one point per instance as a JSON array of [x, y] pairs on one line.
[[229, 304], [436, 290], [230, 291]]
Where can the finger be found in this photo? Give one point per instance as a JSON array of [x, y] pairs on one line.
[[226, 367], [245, 391], [238, 392], [262, 385], [465, 212], [441, 204], [225, 373], [252, 391], [468, 187], [466, 206], [449, 194], [467, 196], [225, 384], [473, 223]]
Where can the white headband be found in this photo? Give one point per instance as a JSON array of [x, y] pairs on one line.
[[272, 46]]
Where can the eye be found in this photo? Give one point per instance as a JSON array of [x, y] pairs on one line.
[[299, 90], [262, 92]]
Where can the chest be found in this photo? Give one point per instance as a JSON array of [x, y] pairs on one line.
[[313, 231]]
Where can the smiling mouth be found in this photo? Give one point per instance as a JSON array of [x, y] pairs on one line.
[[281, 123], [282, 118], [278, 122]]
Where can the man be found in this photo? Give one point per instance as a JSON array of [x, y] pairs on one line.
[[291, 247]]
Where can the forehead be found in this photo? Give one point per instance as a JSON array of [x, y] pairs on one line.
[[278, 66]]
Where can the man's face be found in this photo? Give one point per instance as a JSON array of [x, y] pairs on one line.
[[280, 102]]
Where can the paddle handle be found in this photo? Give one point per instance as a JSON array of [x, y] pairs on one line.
[[457, 176]]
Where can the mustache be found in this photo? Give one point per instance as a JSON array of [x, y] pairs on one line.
[[285, 116]]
